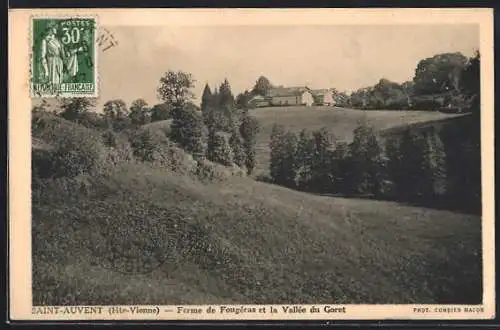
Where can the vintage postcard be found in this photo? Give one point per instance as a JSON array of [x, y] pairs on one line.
[[248, 164]]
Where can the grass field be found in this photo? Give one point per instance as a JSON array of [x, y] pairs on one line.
[[244, 242], [339, 121], [239, 241]]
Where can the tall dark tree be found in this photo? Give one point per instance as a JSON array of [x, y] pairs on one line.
[[283, 150], [225, 112], [471, 82], [249, 129], [435, 159], [304, 159], [321, 166], [222, 152], [365, 159], [206, 101], [211, 116], [236, 143]]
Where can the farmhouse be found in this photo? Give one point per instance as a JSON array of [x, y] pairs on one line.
[[291, 96], [259, 101], [323, 96]]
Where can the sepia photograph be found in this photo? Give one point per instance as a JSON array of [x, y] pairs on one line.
[[215, 161]]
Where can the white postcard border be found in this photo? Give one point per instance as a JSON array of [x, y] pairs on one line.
[[19, 171]]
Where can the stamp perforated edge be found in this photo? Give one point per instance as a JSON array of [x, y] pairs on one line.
[[97, 84]]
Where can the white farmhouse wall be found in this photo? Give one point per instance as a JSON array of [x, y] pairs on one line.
[[307, 99]]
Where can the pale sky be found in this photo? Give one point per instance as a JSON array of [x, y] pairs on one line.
[[342, 57]]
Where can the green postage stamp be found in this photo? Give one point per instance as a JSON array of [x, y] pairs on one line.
[[64, 57]]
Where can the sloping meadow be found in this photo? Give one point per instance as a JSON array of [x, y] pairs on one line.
[[158, 232]]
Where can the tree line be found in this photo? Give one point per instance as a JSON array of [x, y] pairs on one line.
[[429, 166], [219, 130], [437, 164], [441, 81]]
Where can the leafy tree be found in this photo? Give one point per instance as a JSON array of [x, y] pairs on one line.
[[161, 111], [139, 112], [73, 108], [262, 86], [188, 130], [175, 88], [471, 82], [439, 73], [249, 129], [361, 98], [116, 114], [388, 95], [115, 109], [408, 90]]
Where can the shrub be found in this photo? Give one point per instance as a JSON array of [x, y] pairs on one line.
[[76, 152], [208, 171], [222, 152], [154, 146], [212, 172], [92, 120], [177, 160], [118, 148], [189, 131], [249, 129], [236, 142], [146, 144]]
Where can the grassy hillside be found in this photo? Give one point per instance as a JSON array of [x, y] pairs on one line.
[[241, 242], [340, 121], [142, 234]]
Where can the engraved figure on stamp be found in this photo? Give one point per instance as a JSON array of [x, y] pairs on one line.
[[52, 54]]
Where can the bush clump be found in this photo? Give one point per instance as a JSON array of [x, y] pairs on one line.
[[77, 152], [74, 150], [118, 149], [208, 171], [153, 146]]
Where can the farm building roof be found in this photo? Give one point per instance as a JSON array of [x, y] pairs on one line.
[[287, 91], [319, 92]]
